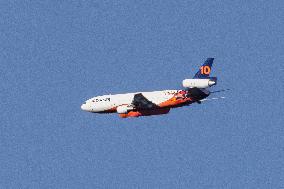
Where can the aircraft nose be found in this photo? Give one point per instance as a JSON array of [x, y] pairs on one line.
[[85, 107]]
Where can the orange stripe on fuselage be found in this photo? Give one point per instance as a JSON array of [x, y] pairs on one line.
[[174, 102], [145, 113]]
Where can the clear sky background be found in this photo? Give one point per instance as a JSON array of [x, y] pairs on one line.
[[56, 54]]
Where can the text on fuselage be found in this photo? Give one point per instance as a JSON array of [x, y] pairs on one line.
[[102, 100]]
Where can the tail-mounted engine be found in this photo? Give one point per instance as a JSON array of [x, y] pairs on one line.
[[199, 83]]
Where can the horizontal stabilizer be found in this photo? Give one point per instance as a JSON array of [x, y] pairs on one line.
[[210, 99]]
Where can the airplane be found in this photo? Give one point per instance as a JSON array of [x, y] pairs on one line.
[[156, 102]]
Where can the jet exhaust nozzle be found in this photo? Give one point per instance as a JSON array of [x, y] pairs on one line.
[[211, 83]]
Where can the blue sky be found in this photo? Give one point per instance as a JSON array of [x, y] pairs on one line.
[[56, 54]]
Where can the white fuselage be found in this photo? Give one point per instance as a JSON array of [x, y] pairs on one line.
[[110, 102], [156, 102]]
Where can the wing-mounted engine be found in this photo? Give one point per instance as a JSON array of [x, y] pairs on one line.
[[199, 83], [124, 109], [139, 103]]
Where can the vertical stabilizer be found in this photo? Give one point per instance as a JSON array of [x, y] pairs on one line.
[[205, 69]]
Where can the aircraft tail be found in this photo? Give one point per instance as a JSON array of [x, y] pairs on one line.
[[205, 69]]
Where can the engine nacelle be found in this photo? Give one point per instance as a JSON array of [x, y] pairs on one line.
[[198, 83], [123, 109]]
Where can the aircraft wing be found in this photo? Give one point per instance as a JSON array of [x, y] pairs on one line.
[[141, 102]]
